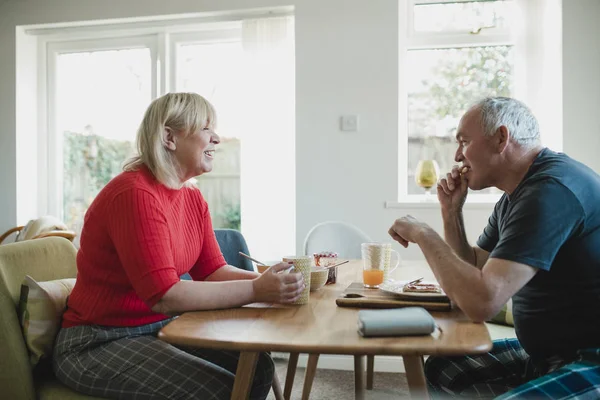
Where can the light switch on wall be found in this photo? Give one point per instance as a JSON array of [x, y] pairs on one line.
[[349, 123]]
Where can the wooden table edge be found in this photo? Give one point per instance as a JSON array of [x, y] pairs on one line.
[[317, 349]]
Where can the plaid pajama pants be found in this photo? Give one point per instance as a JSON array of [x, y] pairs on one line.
[[507, 372], [132, 363]]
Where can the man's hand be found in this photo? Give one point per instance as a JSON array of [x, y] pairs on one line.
[[407, 230], [452, 190], [275, 286]]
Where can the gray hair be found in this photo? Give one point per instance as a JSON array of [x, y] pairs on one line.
[[180, 112], [514, 115]]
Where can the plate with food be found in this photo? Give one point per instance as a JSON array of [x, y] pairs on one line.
[[421, 289]]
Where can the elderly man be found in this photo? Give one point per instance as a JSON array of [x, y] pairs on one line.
[[541, 247]]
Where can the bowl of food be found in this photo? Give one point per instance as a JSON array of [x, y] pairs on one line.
[[260, 268], [318, 278]]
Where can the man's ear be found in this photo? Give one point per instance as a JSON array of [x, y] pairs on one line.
[[169, 139], [501, 138]]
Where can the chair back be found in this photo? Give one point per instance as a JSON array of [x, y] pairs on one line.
[[340, 237], [44, 259], [231, 243]]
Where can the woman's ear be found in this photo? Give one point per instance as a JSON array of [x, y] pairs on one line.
[[169, 139]]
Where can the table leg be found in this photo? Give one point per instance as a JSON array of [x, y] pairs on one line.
[[359, 377], [277, 387], [291, 374], [370, 371], [415, 376], [244, 375], [311, 370]]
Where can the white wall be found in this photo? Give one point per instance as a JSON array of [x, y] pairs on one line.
[[581, 80], [346, 62]]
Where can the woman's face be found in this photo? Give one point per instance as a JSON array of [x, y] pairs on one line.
[[195, 152]]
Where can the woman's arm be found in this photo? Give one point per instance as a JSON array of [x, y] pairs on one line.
[[199, 295], [270, 287], [231, 273]]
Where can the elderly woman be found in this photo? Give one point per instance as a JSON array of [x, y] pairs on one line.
[[145, 229]]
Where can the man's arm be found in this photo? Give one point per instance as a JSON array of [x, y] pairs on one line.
[[480, 293], [455, 236]]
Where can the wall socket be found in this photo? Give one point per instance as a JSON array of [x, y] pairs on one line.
[[349, 123]]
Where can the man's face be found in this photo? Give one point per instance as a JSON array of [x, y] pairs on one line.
[[475, 151]]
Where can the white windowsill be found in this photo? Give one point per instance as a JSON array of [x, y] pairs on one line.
[[480, 201]]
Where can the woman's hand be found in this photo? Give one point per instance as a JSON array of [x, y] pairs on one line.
[[275, 286], [452, 191]]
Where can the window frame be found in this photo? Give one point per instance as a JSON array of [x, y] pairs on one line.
[[410, 40], [162, 41], [51, 184], [229, 32]]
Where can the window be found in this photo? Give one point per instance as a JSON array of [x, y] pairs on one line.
[[99, 90], [99, 85], [454, 53], [220, 81]]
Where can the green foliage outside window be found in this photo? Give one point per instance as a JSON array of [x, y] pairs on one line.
[[458, 78], [231, 216], [479, 72], [89, 163]]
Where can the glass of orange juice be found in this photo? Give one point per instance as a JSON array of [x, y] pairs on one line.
[[374, 262]]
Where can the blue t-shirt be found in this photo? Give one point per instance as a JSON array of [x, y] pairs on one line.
[[552, 222]]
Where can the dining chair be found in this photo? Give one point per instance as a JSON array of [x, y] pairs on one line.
[[231, 243], [338, 236], [344, 239]]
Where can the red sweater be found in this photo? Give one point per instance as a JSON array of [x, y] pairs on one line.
[[138, 238]]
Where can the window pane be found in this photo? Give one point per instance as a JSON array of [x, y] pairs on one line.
[[442, 84], [213, 70], [101, 98], [462, 16]]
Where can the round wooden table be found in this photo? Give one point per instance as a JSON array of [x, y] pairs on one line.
[[321, 327]]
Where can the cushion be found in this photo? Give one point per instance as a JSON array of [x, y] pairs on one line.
[[41, 306], [498, 331], [38, 226], [505, 316]]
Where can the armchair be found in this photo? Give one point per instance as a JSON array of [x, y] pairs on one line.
[[44, 259]]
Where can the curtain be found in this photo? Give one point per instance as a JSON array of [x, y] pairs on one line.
[[268, 177]]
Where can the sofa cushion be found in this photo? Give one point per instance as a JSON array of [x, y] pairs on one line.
[[44, 259], [505, 316], [51, 389], [498, 331], [41, 306]]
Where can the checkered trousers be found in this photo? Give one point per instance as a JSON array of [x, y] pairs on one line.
[[507, 371], [132, 363]]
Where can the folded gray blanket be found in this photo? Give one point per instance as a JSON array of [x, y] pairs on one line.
[[395, 322]]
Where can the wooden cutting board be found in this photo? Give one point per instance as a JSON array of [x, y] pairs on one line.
[[375, 298]]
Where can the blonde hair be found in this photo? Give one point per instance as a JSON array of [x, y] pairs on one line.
[[180, 112]]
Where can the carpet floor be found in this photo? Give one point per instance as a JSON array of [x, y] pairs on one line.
[[330, 384]]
